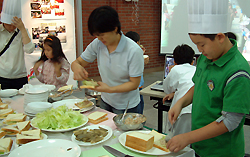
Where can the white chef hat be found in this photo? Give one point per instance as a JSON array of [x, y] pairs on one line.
[[10, 9], [207, 16]]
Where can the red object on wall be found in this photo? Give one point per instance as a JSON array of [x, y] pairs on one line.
[[60, 1]]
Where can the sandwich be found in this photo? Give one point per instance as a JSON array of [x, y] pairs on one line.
[[28, 136], [65, 88], [15, 129], [14, 118], [5, 145], [89, 84], [5, 112], [2, 134], [159, 140], [97, 117], [3, 106], [139, 141], [84, 104]]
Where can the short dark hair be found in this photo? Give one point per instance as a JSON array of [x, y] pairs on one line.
[[210, 36], [103, 19], [133, 35], [183, 54], [53, 42], [231, 35]]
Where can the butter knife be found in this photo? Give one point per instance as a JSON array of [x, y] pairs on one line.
[[115, 152]]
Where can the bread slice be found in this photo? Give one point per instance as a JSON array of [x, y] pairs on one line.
[[5, 145], [97, 117], [84, 104], [13, 118], [89, 84], [10, 130], [4, 106], [2, 134], [28, 136], [159, 140], [5, 112], [65, 88], [23, 126], [139, 141]]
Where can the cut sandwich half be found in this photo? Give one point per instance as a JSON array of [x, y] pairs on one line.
[[84, 104], [159, 140], [14, 118], [3, 106], [89, 84], [10, 130], [5, 112], [5, 145], [65, 88], [23, 126], [2, 134], [97, 117], [28, 136]]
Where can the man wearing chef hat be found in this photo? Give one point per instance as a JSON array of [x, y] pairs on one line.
[[220, 94], [14, 41]]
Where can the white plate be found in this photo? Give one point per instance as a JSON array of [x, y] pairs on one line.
[[110, 133], [61, 130], [12, 148], [8, 92], [70, 103], [49, 87], [152, 151], [47, 148]]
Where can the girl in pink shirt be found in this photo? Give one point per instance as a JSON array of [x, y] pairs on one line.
[[55, 68]]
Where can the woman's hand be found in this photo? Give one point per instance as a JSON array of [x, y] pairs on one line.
[[174, 112], [103, 87], [178, 142], [80, 73]]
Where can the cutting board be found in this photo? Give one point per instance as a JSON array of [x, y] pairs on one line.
[[101, 151]]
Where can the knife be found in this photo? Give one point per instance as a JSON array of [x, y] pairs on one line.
[[115, 152]]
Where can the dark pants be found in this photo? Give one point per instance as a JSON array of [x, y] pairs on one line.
[[109, 108], [13, 83]]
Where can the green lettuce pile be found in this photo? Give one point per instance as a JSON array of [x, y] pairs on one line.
[[59, 118]]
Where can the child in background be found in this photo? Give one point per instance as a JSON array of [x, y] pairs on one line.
[[176, 84], [136, 38], [55, 69], [220, 95]]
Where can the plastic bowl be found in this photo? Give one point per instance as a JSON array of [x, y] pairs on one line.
[[8, 92], [36, 107], [132, 121]]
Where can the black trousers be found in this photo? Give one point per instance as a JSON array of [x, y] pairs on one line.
[[13, 83]]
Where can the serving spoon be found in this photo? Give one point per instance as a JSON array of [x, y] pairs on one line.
[[124, 113]]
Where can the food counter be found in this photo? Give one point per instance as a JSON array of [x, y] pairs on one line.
[[16, 103]]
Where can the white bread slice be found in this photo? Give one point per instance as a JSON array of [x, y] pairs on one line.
[[139, 141], [28, 136], [159, 140], [97, 117], [65, 88], [3, 106], [5, 145], [13, 118], [23, 126], [10, 130], [5, 112], [2, 133]]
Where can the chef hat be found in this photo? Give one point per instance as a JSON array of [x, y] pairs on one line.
[[10, 9], [207, 16]]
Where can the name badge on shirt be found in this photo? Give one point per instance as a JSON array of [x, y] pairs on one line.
[[210, 84]]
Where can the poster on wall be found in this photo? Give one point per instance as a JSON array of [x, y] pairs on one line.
[[49, 17]]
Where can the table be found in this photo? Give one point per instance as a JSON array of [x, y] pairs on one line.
[[157, 95], [16, 103]]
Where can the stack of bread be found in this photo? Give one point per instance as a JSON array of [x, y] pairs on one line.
[[145, 141], [97, 117], [28, 136], [17, 128]]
